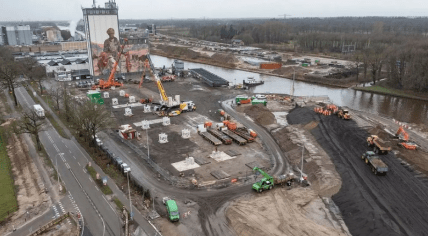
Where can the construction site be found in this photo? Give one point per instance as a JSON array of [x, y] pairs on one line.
[[188, 149], [196, 133]]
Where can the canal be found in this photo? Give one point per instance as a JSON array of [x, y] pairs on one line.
[[402, 109]]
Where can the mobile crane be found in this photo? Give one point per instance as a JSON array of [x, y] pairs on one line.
[[168, 104], [406, 144], [110, 82]]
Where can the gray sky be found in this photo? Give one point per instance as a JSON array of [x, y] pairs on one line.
[[166, 9]]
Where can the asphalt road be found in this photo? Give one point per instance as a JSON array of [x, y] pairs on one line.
[[394, 204], [99, 215]]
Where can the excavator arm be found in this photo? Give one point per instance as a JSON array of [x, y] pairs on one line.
[[255, 169], [162, 92], [405, 134]]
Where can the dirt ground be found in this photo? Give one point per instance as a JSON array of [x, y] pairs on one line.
[[395, 202], [298, 211], [306, 211], [30, 195]]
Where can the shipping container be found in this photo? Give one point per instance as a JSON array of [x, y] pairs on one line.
[[255, 102], [270, 65], [305, 64], [240, 97], [95, 97]]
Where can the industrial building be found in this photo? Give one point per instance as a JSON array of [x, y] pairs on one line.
[[16, 35]]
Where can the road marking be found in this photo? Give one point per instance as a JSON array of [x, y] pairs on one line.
[[78, 163], [109, 204], [74, 157], [69, 151], [56, 148], [90, 179], [97, 188], [66, 164], [84, 170]]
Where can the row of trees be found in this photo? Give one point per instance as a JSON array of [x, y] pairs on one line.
[[86, 117]]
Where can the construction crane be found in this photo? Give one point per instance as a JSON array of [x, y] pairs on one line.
[[284, 15], [168, 105], [110, 82], [406, 143]]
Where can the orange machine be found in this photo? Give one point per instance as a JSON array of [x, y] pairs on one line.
[[110, 82], [406, 144]]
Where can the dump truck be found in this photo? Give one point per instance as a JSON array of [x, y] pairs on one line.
[[377, 165], [379, 145], [171, 208], [268, 182]]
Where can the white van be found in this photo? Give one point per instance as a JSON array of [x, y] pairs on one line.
[[39, 111]]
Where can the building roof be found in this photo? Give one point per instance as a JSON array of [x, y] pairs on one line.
[[52, 63], [80, 72], [65, 62]]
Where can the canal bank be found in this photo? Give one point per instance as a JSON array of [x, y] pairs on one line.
[[401, 109]]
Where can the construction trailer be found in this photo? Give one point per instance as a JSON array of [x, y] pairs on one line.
[[95, 97], [127, 132]]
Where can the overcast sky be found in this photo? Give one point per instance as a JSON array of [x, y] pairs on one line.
[[166, 9]]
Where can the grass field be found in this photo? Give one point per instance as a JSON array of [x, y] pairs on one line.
[[8, 203], [394, 92]]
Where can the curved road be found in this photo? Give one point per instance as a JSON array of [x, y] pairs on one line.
[[211, 203]]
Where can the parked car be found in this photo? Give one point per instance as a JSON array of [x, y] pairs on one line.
[[109, 153], [125, 168], [260, 96], [118, 161]]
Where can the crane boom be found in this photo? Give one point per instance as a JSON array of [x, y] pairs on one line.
[[262, 172], [162, 92]]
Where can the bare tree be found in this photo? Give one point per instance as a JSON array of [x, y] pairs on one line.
[[38, 75], [9, 71], [32, 124], [56, 94], [66, 100]]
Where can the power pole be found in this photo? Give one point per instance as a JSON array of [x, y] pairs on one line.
[[284, 15]]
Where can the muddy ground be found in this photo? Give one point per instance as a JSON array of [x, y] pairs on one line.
[[371, 205]]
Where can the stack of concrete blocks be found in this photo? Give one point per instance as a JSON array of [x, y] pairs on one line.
[[146, 124], [114, 101], [106, 95], [146, 108], [185, 133], [128, 111], [166, 121], [131, 99], [122, 93], [113, 87], [190, 161], [163, 138]]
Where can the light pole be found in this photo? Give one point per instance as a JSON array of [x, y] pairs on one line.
[[148, 149], [301, 170], [57, 172], [129, 193]]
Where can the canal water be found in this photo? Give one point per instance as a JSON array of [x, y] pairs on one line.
[[402, 109]]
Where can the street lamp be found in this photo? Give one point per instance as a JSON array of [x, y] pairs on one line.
[[129, 193], [57, 172]]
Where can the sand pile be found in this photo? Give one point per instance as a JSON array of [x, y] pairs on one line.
[[260, 114], [225, 58], [378, 130]]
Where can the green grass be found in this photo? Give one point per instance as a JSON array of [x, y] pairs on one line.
[[8, 202], [390, 91], [104, 188], [118, 203]]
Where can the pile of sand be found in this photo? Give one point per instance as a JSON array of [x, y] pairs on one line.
[[260, 114], [378, 130], [225, 58]]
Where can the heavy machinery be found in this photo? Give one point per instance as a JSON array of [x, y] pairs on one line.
[[111, 82], [404, 142], [379, 145], [377, 165], [171, 208], [268, 182], [343, 114], [172, 107]]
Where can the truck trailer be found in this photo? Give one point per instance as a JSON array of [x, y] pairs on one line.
[[39, 111], [378, 167]]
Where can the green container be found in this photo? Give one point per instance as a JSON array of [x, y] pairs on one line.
[[240, 98], [95, 97], [256, 101], [305, 64], [317, 61]]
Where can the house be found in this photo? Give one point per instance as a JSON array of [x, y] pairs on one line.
[[237, 42]]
